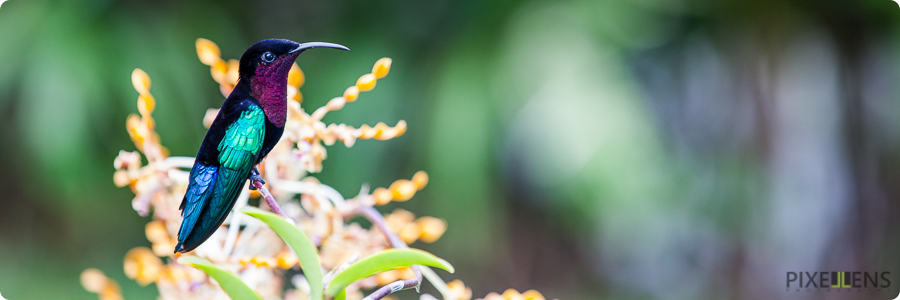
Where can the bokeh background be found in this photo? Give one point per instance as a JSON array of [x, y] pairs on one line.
[[590, 149]]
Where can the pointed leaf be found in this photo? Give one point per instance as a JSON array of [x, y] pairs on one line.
[[233, 286], [299, 242], [384, 261]]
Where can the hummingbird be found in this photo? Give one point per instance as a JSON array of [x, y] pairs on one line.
[[249, 124]]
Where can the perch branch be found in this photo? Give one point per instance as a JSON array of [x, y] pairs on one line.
[[397, 286], [270, 200]]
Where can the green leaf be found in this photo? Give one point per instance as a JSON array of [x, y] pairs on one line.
[[233, 286], [342, 295], [384, 261], [299, 242]]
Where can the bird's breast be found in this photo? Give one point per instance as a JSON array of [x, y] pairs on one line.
[[272, 97]]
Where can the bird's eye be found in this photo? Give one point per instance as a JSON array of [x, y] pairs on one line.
[[268, 57]]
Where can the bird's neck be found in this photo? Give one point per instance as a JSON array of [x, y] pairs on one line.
[[271, 93]]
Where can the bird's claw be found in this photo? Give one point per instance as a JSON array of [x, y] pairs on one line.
[[254, 176]]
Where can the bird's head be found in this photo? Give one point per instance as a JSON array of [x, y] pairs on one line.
[[265, 67], [270, 60]]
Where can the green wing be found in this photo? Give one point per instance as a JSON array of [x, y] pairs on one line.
[[243, 139], [237, 155]]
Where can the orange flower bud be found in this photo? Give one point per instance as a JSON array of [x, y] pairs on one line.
[[319, 113], [93, 280], [400, 127], [403, 190], [399, 218], [366, 82], [111, 291], [510, 294], [532, 295], [382, 67], [410, 233], [231, 77], [218, 70], [173, 273], [296, 77], [141, 81], [149, 124], [387, 277], [142, 265], [406, 273], [459, 291], [121, 178], [156, 231], [260, 261], [286, 260], [292, 93], [226, 89], [136, 130], [351, 93], [382, 196], [207, 51], [336, 103], [146, 104], [383, 132], [420, 179], [366, 132], [164, 248], [432, 228]]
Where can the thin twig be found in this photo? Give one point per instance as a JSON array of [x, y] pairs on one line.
[[378, 220], [371, 214], [270, 200]]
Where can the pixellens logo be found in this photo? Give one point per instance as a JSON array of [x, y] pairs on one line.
[[839, 282]]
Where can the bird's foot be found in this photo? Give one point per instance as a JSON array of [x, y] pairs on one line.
[[254, 176]]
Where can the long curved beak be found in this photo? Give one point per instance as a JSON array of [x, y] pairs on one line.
[[310, 45]]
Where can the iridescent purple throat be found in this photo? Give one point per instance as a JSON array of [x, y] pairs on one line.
[[269, 87]]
